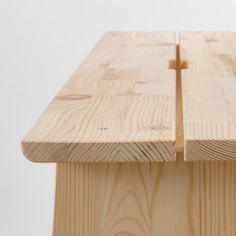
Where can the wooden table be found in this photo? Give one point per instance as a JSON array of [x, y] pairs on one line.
[[144, 137]]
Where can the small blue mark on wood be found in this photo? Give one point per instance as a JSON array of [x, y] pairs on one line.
[[103, 128]]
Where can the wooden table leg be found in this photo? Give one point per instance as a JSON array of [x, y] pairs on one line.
[[161, 199]]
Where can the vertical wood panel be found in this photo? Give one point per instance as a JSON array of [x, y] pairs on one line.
[[127, 199], [218, 198], [181, 198]]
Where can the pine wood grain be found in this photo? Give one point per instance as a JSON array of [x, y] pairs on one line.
[[217, 198], [141, 199], [209, 97], [118, 106], [146, 199]]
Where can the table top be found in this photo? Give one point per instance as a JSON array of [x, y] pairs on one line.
[[139, 96], [209, 95], [118, 106]]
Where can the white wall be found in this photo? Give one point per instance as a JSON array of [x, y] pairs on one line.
[[41, 43]]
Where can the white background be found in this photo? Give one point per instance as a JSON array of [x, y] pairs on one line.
[[41, 43]]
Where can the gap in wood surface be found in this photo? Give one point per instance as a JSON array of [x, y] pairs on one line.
[[179, 110]]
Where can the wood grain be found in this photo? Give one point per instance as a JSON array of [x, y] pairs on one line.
[[217, 198], [118, 106], [149, 199], [209, 97], [141, 199]]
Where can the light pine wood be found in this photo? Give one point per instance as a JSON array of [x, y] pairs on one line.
[[141, 199], [209, 95], [217, 196], [118, 106], [124, 105], [146, 199]]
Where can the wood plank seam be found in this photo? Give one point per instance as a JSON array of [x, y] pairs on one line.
[[179, 64]]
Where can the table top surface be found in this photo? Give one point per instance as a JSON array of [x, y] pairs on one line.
[[124, 101], [209, 95], [119, 105]]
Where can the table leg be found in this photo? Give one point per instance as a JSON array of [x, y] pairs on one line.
[[146, 199]]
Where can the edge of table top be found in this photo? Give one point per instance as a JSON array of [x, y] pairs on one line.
[[204, 60], [128, 77]]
